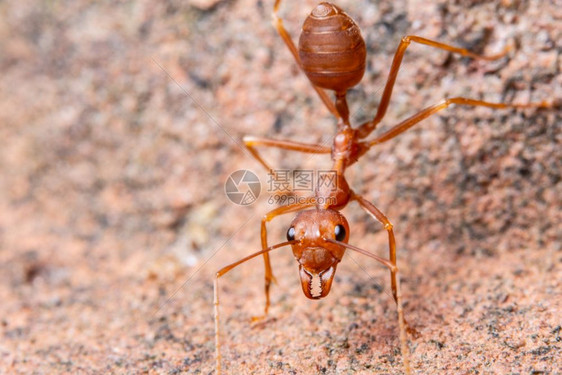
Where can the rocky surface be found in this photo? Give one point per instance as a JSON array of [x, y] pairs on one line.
[[121, 121]]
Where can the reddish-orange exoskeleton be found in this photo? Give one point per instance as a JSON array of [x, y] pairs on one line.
[[332, 54]]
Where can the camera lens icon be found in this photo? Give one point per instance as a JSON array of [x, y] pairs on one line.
[[242, 187]]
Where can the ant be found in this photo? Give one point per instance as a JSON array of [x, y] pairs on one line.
[[332, 54]]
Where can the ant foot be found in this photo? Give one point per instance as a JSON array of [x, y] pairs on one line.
[[413, 332], [260, 322], [258, 318]]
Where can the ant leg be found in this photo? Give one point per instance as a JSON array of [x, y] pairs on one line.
[[278, 23], [251, 142], [396, 291], [306, 202], [221, 272], [365, 129], [411, 121], [380, 217]]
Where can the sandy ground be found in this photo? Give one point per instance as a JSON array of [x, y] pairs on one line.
[[121, 121]]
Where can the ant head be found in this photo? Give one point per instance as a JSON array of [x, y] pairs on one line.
[[317, 257]]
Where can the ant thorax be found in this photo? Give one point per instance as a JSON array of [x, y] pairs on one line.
[[335, 195], [346, 148]]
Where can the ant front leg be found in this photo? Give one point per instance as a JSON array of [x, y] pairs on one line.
[[403, 325], [380, 217], [220, 273], [278, 23], [365, 129], [307, 202]]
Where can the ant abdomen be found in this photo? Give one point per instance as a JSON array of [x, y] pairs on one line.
[[331, 49]]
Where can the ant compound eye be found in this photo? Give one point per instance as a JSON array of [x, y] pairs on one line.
[[339, 231], [291, 234]]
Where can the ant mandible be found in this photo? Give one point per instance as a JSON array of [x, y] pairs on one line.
[[332, 54]]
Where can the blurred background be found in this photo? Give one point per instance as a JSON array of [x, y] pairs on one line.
[[121, 122]]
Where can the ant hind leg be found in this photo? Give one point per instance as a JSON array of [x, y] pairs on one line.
[[365, 129], [278, 23]]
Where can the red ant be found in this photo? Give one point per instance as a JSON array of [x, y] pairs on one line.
[[332, 54]]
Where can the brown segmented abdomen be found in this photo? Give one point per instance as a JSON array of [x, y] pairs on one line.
[[331, 49]]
